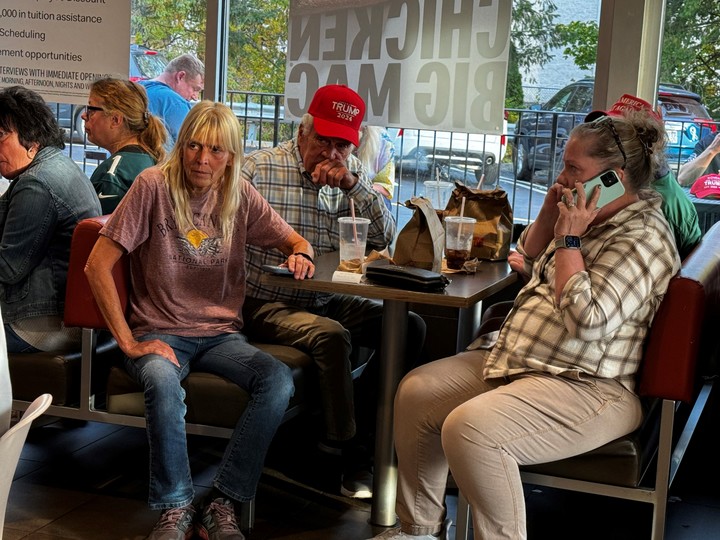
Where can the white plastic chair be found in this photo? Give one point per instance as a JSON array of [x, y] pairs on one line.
[[5, 386], [11, 445]]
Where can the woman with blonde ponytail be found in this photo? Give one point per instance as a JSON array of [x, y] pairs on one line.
[[117, 119]]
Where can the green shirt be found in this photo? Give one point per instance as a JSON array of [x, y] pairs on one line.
[[115, 175], [679, 212]]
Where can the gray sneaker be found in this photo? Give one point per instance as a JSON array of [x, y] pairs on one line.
[[219, 522], [174, 524], [357, 484]]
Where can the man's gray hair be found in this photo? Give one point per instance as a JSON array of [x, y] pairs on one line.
[[187, 63]]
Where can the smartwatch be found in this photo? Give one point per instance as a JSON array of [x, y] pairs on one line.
[[568, 241]]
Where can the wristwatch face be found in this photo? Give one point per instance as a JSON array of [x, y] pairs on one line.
[[571, 242]]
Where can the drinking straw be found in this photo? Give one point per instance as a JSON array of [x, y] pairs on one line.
[[481, 182], [462, 213], [352, 215], [437, 186]]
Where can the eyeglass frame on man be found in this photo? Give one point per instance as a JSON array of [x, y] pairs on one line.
[[613, 131], [341, 145]]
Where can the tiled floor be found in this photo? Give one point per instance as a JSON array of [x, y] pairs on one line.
[[89, 482]]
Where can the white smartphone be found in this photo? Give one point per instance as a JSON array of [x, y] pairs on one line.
[[609, 181]]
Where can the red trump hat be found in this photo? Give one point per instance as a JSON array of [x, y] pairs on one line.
[[707, 187], [337, 112], [626, 102]]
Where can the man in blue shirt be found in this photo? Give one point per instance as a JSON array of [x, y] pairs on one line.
[[171, 92]]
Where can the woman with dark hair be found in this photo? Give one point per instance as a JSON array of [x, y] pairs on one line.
[[558, 379], [47, 196], [117, 119]]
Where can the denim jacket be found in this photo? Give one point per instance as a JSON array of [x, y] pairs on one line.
[[38, 214]]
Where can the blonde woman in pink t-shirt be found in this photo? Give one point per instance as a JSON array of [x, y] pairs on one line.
[[185, 225]]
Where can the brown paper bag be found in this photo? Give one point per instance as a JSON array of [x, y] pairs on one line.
[[421, 242], [492, 210]]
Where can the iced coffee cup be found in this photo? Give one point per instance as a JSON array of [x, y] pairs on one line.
[[353, 239], [458, 240]]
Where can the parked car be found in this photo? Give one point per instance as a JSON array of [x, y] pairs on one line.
[[453, 156], [144, 64], [541, 132]]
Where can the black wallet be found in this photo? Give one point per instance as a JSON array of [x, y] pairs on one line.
[[405, 277]]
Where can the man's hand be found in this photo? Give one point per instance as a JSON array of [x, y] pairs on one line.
[[714, 146], [334, 173], [696, 167]]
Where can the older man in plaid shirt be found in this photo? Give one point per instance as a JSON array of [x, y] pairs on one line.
[[310, 181]]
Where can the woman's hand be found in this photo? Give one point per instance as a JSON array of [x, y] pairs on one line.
[[575, 217], [549, 211], [516, 261], [300, 266], [137, 349]]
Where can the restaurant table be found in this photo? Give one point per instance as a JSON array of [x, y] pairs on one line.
[[464, 292]]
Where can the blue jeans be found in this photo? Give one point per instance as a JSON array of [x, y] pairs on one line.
[[15, 343], [269, 383]]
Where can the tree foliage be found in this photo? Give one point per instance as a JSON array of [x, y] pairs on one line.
[[514, 96], [691, 49], [579, 41], [258, 41], [174, 28], [531, 31]]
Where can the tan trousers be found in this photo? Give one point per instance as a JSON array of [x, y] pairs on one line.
[[447, 415]]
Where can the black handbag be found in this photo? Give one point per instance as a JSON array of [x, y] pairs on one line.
[[405, 277]]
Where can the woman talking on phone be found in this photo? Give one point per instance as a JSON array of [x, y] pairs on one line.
[[558, 378]]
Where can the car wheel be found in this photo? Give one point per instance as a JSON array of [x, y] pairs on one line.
[[491, 170], [78, 130], [521, 162]]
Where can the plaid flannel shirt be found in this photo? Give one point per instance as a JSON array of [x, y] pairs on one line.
[[600, 324], [313, 211]]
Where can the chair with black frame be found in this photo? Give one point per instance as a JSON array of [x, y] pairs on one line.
[[675, 383]]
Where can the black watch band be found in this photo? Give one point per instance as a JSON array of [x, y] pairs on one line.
[[305, 256]]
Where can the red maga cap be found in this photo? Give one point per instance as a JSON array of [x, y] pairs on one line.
[[337, 112], [707, 187], [626, 102]]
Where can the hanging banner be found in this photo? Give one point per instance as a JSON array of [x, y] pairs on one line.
[[426, 64], [59, 47]]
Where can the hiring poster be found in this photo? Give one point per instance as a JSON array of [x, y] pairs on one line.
[[426, 64], [59, 47]]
